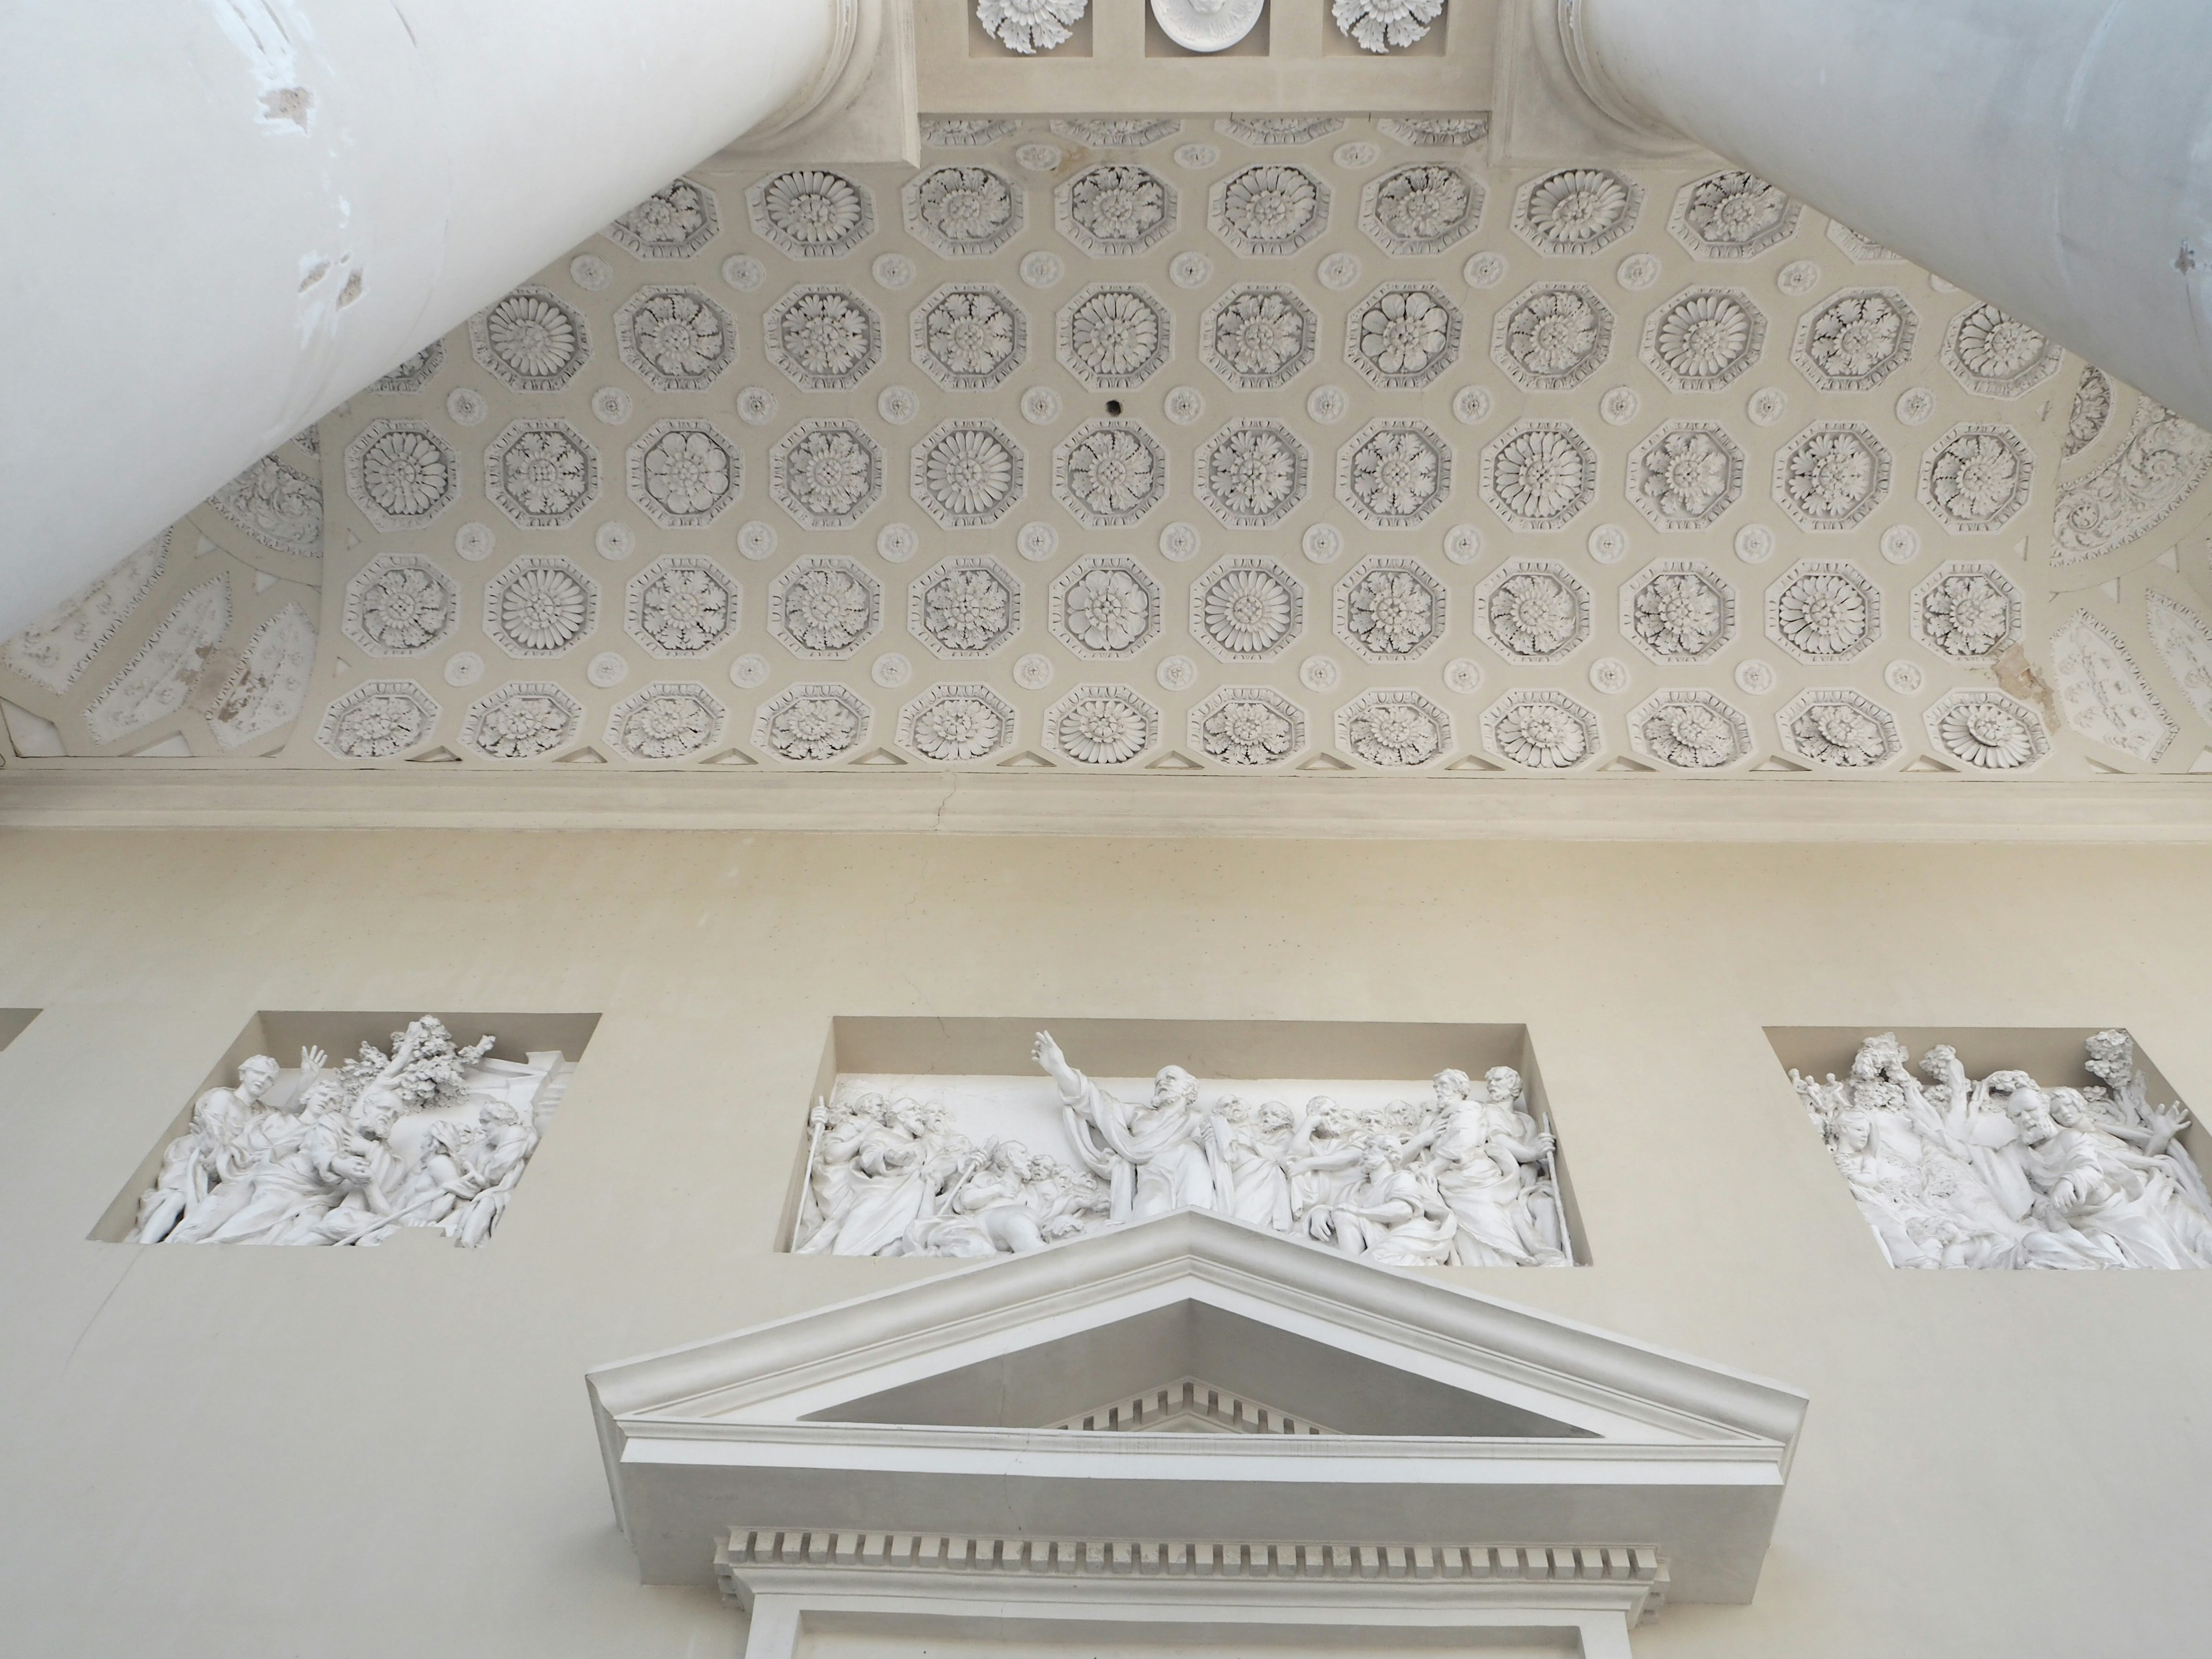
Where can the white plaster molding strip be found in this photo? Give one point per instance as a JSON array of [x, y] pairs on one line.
[[2144, 809]]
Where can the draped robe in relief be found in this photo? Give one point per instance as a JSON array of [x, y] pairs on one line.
[[1152, 1157]]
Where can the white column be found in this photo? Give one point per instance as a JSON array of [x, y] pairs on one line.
[[221, 217], [2054, 156]]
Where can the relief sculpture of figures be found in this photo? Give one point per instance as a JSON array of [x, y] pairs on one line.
[[430, 1135], [1464, 1178], [2003, 1172]]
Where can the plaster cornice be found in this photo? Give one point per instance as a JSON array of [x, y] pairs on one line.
[[139, 794]]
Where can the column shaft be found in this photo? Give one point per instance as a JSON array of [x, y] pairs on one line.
[[223, 218], [2054, 156]]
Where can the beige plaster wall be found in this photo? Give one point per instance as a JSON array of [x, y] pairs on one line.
[[267, 1452]]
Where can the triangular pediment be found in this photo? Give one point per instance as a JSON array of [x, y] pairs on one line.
[[954, 1401]]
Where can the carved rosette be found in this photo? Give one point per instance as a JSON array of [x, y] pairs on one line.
[[1694, 731], [1541, 731], [1840, 729], [380, 719], [1986, 730], [1248, 726], [957, 722]]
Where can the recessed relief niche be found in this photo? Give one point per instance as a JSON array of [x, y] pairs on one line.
[[1406, 1145], [385, 1124], [2000, 1148]]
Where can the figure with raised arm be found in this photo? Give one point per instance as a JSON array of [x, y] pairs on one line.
[[1157, 1156]]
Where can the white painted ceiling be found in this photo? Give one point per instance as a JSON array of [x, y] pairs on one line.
[[1427, 475]]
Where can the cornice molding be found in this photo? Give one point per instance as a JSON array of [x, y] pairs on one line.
[[143, 795]]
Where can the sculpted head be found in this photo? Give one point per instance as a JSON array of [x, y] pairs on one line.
[[2068, 1109], [2026, 1104], [1173, 1087], [1374, 1154], [1852, 1128], [1451, 1086], [1275, 1118], [1503, 1084], [255, 1075]]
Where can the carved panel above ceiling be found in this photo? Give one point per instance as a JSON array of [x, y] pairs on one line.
[[1194, 444]]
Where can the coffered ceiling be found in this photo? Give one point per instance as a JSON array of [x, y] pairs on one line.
[[1196, 445]]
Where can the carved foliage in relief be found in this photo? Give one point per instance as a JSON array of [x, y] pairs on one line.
[[683, 605], [1999, 355], [1403, 335], [965, 608], [1831, 475], [1577, 209], [1247, 725], [825, 339], [957, 722], [666, 721], [812, 723], [1109, 473], [398, 605], [1686, 475], [1839, 728], [1732, 215], [1695, 731], [1968, 610], [969, 336], [540, 607], [1853, 341], [824, 608], [1393, 473], [1533, 611], [2103, 693], [1976, 477], [1678, 610], [675, 339], [1251, 473], [1257, 336], [278, 506], [964, 211], [2165, 459], [673, 223], [1114, 207], [1553, 338], [826, 474], [542, 473], [1390, 609], [402, 474], [524, 720], [1393, 727], [1423, 208], [1823, 611], [377, 720], [264, 691]]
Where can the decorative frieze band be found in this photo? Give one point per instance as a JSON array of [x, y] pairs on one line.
[[792, 1547]]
